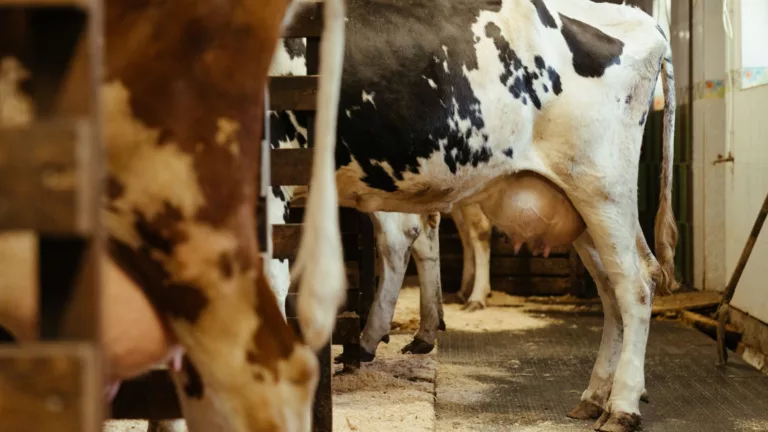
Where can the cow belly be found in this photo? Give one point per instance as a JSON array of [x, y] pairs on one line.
[[530, 209], [135, 337]]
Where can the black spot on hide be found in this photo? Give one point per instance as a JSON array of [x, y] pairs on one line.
[[593, 51], [546, 18], [520, 80]]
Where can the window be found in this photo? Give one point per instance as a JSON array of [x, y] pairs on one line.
[[754, 33]]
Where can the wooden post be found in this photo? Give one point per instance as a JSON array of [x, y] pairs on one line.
[[51, 183], [367, 268]]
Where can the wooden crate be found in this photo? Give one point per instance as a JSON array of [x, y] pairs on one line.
[[50, 183]]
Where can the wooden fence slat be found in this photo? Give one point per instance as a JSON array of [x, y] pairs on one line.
[[452, 266], [347, 330], [291, 167], [48, 387], [286, 237], [50, 162], [500, 245], [293, 93], [349, 218], [83, 4], [522, 286]]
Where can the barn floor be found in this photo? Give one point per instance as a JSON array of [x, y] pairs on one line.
[[530, 379], [510, 369]]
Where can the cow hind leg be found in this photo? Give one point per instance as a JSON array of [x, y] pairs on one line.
[[479, 229], [595, 397], [468, 253], [395, 234], [426, 254], [612, 226]]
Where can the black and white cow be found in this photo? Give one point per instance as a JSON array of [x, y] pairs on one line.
[[511, 105], [398, 235]]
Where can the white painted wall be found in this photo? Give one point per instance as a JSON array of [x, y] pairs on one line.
[[747, 178], [709, 141]]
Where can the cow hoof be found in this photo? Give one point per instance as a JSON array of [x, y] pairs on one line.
[[365, 356], [618, 422], [644, 397], [441, 325], [473, 306], [418, 346], [586, 410], [385, 339]]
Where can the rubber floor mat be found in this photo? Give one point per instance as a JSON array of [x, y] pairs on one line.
[[528, 380]]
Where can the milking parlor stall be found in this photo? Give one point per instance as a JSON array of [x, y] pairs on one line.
[[550, 216]]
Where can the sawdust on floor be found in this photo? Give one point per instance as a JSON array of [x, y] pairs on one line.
[[751, 425], [490, 422], [177, 425], [125, 426], [508, 318], [395, 392]]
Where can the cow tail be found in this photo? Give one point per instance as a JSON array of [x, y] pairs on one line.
[[665, 229], [319, 266]]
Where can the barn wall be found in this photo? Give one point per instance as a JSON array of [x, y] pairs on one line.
[[709, 143], [747, 177], [730, 99], [746, 186]]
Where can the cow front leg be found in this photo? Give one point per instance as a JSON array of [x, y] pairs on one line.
[[595, 397], [479, 229], [426, 254], [395, 234], [618, 250]]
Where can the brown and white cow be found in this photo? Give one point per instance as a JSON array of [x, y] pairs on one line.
[[183, 98]]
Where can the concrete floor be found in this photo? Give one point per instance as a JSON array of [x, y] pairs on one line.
[[512, 368], [528, 380]]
